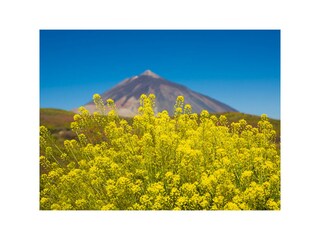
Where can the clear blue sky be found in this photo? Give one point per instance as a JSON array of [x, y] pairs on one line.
[[238, 67]]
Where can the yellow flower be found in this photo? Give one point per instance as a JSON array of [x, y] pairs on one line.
[[110, 102], [43, 131], [187, 109], [152, 96], [180, 99], [204, 114], [76, 117], [188, 161], [109, 206], [223, 120], [264, 117], [231, 206], [272, 205], [55, 206]]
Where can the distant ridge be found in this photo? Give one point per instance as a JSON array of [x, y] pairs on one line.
[[126, 95]]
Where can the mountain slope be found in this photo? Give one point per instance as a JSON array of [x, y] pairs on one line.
[[126, 95]]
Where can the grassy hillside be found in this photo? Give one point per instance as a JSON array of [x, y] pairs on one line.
[[55, 118], [58, 121]]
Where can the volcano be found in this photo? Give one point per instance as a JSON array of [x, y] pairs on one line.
[[127, 93]]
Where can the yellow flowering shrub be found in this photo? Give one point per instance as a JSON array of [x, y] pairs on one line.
[[156, 162]]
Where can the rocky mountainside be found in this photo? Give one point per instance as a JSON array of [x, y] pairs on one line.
[[126, 95]]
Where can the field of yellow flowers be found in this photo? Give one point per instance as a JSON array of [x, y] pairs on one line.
[[186, 162]]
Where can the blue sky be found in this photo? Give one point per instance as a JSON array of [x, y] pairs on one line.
[[238, 67]]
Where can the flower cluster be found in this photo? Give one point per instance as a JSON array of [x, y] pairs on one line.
[[157, 162]]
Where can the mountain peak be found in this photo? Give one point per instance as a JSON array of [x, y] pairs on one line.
[[126, 96], [149, 73]]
